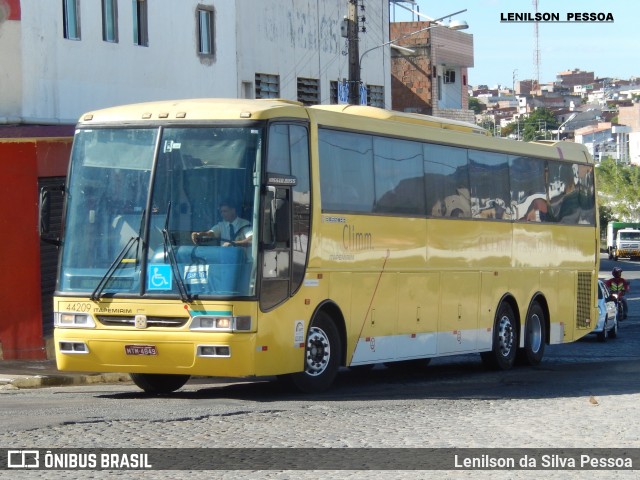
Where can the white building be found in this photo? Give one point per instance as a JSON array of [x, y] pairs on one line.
[[62, 58], [605, 140], [634, 148]]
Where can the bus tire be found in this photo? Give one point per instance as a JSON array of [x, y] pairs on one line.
[[505, 340], [534, 337], [158, 383], [321, 356]]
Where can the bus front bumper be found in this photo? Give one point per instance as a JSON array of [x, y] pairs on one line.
[[189, 353]]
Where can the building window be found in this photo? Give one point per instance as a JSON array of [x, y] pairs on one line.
[[267, 86], [110, 21], [71, 20], [308, 91], [247, 89], [140, 29], [449, 76], [333, 94], [375, 95], [205, 32]]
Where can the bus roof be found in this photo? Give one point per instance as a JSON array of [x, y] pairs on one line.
[[409, 118], [409, 125], [195, 109]]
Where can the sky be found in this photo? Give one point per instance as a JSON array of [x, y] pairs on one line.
[[504, 50]]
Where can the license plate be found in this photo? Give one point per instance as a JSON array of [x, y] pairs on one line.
[[140, 350]]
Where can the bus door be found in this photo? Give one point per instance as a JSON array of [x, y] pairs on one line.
[[286, 220]]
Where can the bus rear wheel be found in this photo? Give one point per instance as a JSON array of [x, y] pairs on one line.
[[158, 383], [321, 356], [534, 337], [505, 340]]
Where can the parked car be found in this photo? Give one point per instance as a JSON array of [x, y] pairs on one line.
[[607, 326]]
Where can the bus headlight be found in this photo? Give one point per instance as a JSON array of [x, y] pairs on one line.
[[221, 323], [73, 320]]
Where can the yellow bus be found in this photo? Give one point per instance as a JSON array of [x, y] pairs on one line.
[[242, 238]]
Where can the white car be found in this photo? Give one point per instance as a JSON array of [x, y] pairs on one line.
[[607, 326]]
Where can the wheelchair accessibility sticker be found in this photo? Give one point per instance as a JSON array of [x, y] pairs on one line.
[[159, 277]]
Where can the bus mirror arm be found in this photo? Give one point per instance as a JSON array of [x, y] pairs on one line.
[[44, 215]]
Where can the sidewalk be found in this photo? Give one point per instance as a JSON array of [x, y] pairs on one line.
[[43, 373]]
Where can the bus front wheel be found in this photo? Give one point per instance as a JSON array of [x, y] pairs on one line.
[[321, 356], [505, 340], [158, 383]]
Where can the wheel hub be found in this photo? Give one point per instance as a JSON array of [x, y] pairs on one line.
[[318, 352], [535, 333], [505, 336]]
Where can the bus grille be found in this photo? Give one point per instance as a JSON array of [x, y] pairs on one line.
[[127, 321], [583, 306]]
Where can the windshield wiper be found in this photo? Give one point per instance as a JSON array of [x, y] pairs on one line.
[[95, 295], [168, 249]]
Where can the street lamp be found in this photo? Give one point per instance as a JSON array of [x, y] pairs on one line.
[[400, 48], [453, 25], [571, 117]]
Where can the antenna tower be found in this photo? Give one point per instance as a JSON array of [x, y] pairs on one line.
[[536, 50]]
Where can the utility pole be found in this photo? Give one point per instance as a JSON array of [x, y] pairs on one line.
[[354, 53]]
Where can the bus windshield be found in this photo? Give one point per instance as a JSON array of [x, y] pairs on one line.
[[167, 211]]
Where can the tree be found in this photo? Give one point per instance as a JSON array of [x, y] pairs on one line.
[[476, 105], [509, 129], [619, 189], [606, 216], [537, 126]]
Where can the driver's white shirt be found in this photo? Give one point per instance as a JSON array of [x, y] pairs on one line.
[[221, 229]]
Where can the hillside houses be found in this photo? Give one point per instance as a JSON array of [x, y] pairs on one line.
[[602, 113]]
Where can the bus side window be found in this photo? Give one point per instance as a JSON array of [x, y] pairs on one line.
[[446, 176]]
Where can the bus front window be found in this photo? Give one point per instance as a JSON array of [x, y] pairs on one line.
[[106, 198], [115, 244], [204, 195]]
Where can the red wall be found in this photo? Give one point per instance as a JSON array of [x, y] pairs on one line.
[[22, 161], [13, 6]]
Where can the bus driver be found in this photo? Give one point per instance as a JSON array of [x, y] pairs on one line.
[[232, 230]]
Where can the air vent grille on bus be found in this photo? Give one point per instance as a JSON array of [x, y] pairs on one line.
[[124, 321], [583, 306]]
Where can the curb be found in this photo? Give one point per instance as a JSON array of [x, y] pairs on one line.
[[38, 381]]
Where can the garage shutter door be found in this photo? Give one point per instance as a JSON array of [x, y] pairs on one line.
[[49, 253]]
